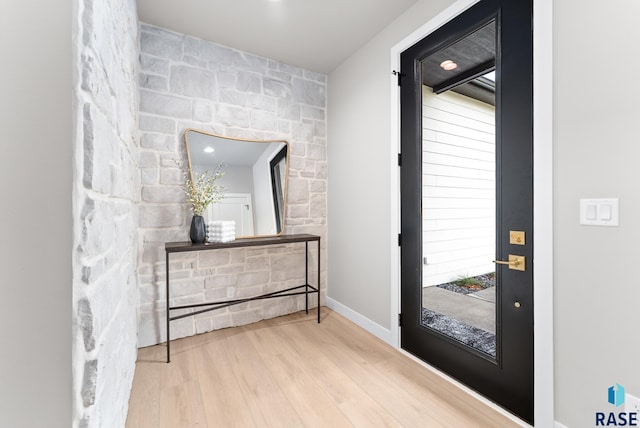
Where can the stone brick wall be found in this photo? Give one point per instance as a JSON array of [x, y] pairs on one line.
[[190, 83], [105, 195]]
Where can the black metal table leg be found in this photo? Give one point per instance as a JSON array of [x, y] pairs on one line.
[[318, 280], [306, 276], [167, 300]]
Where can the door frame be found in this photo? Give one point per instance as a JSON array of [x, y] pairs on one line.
[[542, 194]]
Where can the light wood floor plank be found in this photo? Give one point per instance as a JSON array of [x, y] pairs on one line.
[[221, 392], [353, 402], [263, 397], [292, 372]]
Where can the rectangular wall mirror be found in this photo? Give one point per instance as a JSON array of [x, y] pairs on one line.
[[255, 180]]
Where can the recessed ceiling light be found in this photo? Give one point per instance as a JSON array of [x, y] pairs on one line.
[[448, 65], [209, 149]]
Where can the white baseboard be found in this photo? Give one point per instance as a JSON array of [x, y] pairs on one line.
[[557, 424], [364, 322]]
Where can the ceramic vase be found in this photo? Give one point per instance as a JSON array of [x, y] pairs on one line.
[[197, 233]]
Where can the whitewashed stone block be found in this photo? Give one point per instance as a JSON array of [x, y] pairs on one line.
[[258, 263], [284, 127], [161, 215], [186, 287], [290, 69], [155, 65], [263, 120], [172, 176], [308, 92], [160, 142], [220, 281], [165, 105], [321, 170], [203, 325], [297, 163], [89, 382], [319, 130], [222, 321], [230, 115], [247, 61], [202, 111], [246, 317], [226, 79], [303, 131], [279, 75], [311, 75], [151, 81], [298, 191], [247, 279], [315, 113], [192, 46], [318, 186], [98, 140], [237, 255], [148, 159], [162, 45], [298, 211], [193, 82], [260, 102], [318, 206], [213, 258], [289, 110], [163, 194], [85, 322], [215, 294], [149, 176], [277, 88], [157, 124], [316, 152], [231, 96], [286, 266], [195, 61], [217, 55], [249, 82]]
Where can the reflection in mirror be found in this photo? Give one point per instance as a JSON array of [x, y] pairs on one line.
[[458, 194], [255, 180]]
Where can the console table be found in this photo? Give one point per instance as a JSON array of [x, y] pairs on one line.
[[181, 247]]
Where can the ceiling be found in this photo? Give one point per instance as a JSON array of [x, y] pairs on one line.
[[314, 34]]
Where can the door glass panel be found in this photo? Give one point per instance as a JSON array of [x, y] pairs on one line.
[[458, 191]]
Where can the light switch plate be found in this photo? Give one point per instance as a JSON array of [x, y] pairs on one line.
[[599, 212]]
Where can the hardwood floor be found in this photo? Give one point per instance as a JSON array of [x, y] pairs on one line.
[[292, 372]]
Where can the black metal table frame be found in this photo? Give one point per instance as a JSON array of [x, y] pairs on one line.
[[180, 247]]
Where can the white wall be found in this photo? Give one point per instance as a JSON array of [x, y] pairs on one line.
[[596, 154], [35, 219], [596, 151], [358, 158], [458, 194]]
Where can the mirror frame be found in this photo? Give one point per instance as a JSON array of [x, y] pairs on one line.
[[246, 140]]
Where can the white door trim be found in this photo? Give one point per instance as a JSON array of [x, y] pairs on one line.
[[543, 193]]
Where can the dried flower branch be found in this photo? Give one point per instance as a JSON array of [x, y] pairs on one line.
[[203, 190]]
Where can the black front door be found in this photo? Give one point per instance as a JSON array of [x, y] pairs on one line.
[[467, 201]]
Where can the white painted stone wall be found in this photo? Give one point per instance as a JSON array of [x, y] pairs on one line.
[[105, 194], [190, 83]]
